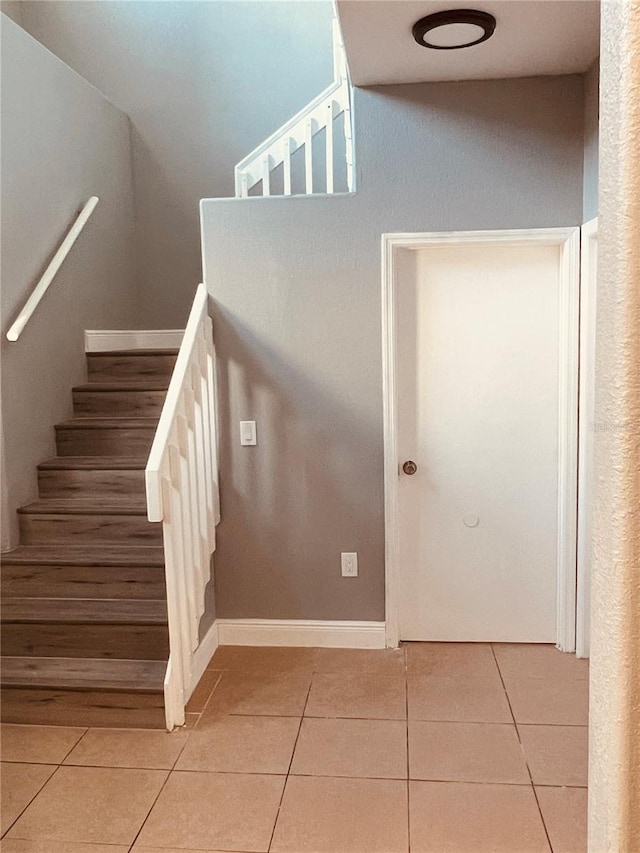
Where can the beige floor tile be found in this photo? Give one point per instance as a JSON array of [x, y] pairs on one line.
[[367, 696], [19, 783], [368, 748], [19, 845], [264, 658], [38, 744], [466, 752], [556, 755], [555, 703], [203, 691], [527, 660], [564, 811], [258, 693], [148, 749], [452, 660], [214, 811], [242, 745], [459, 817], [465, 700], [350, 661], [324, 815], [91, 805]]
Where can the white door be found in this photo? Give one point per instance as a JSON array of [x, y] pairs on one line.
[[477, 379]]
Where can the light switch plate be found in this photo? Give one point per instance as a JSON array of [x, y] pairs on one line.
[[248, 436], [349, 563]]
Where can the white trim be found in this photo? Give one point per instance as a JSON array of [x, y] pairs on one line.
[[568, 360], [588, 291], [569, 240], [301, 632], [112, 340], [201, 658]]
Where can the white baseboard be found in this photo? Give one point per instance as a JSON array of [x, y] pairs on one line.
[[107, 340], [201, 658], [295, 632]]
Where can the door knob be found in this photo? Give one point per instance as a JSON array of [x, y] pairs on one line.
[[409, 467]]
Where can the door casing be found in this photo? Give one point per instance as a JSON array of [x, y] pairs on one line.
[[588, 292], [568, 241]]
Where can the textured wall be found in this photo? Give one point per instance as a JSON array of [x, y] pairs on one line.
[[62, 142], [203, 83], [614, 756], [296, 284], [591, 144]]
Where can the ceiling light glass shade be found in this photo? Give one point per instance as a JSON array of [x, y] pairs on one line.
[[455, 29]]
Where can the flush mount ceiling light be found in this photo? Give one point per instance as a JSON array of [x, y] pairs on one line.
[[454, 29]]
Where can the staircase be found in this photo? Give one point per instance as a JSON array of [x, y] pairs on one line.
[[84, 615]]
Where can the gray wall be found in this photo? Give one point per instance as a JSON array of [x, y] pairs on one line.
[[296, 294], [591, 146], [61, 143], [203, 84], [12, 9]]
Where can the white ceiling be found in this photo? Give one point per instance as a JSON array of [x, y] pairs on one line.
[[532, 38]]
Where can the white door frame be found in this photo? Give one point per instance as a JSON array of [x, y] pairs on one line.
[[588, 290], [568, 240]]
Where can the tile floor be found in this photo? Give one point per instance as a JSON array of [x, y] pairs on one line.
[[433, 748]]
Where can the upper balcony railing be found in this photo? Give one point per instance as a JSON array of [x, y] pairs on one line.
[[320, 114]]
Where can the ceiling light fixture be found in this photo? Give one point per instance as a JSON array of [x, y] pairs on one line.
[[454, 29]]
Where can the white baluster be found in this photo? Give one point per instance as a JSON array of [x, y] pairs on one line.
[[308, 157], [329, 152], [287, 166], [212, 396], [187, 530], [200, 548], [207, 442], [201, 460], [175, 679], [266, 176], [177, 597]]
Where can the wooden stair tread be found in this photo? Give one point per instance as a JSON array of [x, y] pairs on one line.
[[94, 463], [51, 581], [112, 611], [141, 384], [83, 673], [143, 422], [86, 506], [85, 555], [120, 353]]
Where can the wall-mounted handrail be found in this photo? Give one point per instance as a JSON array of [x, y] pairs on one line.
[[182, 492], [49, 274]]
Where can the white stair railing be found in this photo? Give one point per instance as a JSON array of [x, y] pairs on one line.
[[182, 492], [320, 114]]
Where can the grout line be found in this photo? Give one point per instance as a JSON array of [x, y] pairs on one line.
[[151, 808], [406, 704], [41, 788], [293, 752], [524, 754]]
